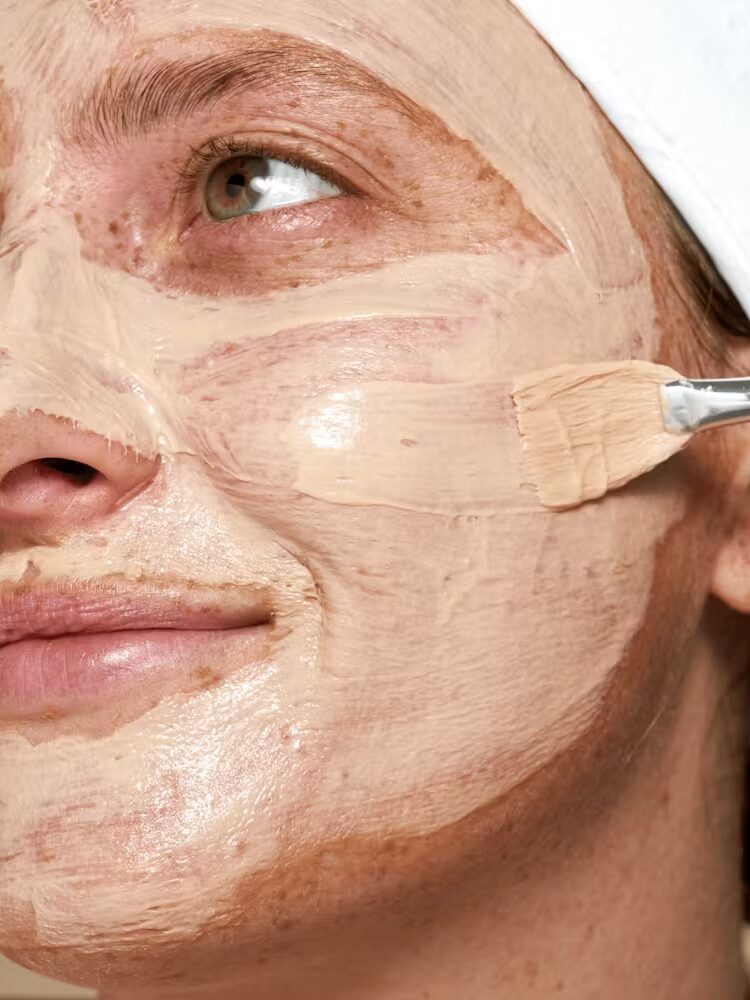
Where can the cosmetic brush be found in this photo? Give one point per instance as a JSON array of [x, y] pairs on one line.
[[588, 429]]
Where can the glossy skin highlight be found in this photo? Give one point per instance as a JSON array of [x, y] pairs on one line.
[[325, 390]]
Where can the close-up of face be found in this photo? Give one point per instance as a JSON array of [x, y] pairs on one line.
[[267, 273]]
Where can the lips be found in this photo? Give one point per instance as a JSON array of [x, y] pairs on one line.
[[68, 646]]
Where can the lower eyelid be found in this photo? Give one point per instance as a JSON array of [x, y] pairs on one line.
[[200, 221]]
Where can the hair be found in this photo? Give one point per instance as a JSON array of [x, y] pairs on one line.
[[720, 311]]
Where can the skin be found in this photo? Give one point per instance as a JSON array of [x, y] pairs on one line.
[[481, 755]]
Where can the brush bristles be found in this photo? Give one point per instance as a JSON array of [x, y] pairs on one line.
[[588, 429]]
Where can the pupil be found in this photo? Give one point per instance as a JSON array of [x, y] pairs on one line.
[[236, 184]]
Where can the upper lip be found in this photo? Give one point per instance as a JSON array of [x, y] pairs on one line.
[[64, 607]]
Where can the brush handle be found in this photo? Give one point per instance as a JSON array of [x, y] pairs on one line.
[[692, 404]]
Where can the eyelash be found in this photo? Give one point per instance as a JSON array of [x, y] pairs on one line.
[[222, 148]]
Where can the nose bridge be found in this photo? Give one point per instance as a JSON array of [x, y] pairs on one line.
[[46, 284], [67, 347]]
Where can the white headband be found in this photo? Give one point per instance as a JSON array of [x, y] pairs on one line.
[[673, 76]]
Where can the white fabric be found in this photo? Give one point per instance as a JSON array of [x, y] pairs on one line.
[[673, 76]]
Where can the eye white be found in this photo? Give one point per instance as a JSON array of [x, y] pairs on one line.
[[288, 185], [247, 185]]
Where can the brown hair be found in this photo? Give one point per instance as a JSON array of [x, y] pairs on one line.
[[718, 307]]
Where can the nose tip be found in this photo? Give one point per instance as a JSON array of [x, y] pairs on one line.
[[54, 475]]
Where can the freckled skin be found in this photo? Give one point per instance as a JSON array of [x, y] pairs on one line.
[[447, 775]]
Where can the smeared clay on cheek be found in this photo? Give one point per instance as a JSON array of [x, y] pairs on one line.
[[353, 402], [447, 443], [428, 344], [461, 593], [388, 444]]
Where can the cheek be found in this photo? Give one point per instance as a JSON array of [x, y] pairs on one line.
[[349, 413], [467, 631], [439, 448], [390, 414]]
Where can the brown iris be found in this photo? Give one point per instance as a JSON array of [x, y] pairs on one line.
[[228, 190]]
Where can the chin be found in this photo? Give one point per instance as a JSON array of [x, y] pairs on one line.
[[275, 928]]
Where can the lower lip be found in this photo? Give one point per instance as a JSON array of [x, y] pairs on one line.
[[42, 676]]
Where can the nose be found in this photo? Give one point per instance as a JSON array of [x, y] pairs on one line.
[[56, 476]]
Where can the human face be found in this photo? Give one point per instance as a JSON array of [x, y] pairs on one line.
[[310, 419]]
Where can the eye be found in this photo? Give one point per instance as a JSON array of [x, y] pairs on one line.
[[244, 185]]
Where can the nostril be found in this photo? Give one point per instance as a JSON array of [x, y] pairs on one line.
[[56, 476], [79, 472], [65, 471], [35, 488]]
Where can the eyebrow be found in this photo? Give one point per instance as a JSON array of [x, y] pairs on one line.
[[135, 98]]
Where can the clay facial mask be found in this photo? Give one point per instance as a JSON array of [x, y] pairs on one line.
[[326, 387]]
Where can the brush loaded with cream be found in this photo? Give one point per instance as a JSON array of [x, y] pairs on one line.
[[588, 429]]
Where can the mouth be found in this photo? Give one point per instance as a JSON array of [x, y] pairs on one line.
[[69, 646]]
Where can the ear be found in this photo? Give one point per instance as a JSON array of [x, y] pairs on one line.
[[731, 576]]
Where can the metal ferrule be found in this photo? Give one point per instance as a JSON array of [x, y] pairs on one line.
[[692, 404]]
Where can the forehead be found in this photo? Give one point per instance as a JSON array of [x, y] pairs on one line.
[[52, 51], [420, 44]]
